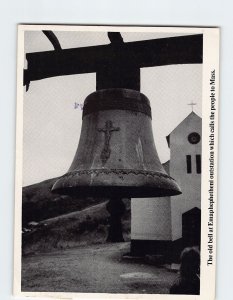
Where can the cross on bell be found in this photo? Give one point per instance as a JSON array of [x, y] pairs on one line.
[[108, 129]]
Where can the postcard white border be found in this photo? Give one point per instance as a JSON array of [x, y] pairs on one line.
[[210, 62]]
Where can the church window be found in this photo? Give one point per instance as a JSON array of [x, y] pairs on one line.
[[198, 164], [189, 164], [194, 138]]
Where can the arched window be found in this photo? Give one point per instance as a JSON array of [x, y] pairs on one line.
[[189, 164], [198, 163]]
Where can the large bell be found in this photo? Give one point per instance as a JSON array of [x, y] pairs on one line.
[[116, 155]]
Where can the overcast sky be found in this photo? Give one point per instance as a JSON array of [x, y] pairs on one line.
[[52, 125]]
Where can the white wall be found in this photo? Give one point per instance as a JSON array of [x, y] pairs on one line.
[[190, 184], [150, 219]]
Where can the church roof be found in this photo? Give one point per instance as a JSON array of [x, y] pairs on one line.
[[191, 115]]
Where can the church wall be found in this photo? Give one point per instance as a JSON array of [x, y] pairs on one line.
[[190, 184], [151, 219]]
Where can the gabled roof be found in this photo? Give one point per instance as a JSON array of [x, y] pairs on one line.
[[191, 115]]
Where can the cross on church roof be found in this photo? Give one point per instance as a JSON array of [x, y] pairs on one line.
[[192, 104]]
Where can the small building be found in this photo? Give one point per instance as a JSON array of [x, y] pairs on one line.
[[166, 225]]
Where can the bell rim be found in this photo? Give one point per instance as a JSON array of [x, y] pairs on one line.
[[82, 182], [116, 192]]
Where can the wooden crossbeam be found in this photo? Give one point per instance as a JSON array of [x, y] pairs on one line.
[[116, 64]]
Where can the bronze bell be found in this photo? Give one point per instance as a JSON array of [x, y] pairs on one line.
[[116, 155]]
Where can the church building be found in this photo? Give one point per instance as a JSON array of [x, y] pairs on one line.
[[166, 225]]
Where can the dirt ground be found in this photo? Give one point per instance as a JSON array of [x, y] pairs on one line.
[[91, 269]]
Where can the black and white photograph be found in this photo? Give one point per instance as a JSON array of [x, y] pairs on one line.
[[116, 161]]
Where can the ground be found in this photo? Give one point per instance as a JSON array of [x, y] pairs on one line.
[[95, 268]]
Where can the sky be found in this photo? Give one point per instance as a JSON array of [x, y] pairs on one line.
[[52, 124]]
